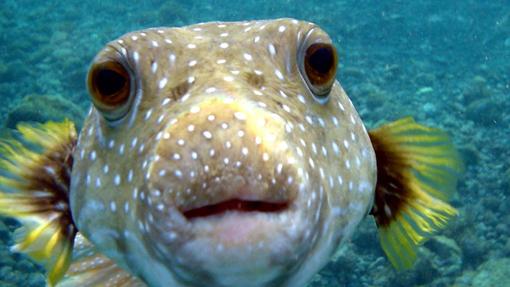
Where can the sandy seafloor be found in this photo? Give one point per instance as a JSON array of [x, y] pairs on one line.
[[447, 63]]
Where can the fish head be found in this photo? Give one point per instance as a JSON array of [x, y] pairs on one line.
[[224, 153]]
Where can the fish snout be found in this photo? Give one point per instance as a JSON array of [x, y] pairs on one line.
[[225, 186], [224, 155]]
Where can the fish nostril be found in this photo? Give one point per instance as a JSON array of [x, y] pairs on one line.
[[178, 91], [255, 80]]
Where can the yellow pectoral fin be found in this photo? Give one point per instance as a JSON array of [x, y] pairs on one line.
[[33, 190], [417, 170]]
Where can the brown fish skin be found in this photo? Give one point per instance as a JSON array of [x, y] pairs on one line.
[[218, 112]]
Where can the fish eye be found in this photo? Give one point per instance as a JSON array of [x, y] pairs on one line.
[[110, 88], [320, 62]]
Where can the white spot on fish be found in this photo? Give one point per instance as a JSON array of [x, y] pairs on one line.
[[194, 109], [113, 206], [207, 134], [116, 180], [247, 57], [240, 116], [210, 90], [279, 74], [271, 49]]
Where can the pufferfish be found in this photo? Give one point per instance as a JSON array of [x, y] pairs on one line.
[[219, 154]]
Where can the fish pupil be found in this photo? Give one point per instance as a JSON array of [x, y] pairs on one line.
[[109, 82], [321, 60]]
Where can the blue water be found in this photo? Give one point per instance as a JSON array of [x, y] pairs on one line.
[[447, 63]]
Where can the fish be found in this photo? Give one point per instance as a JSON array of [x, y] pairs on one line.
[[220, 154]]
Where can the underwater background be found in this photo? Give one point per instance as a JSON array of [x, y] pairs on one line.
[[447, 63]]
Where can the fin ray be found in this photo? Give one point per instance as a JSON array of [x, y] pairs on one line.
[[34, 189], [417, 171], [90, 268]]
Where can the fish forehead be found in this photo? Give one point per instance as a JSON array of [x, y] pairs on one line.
[[253, 60], [234, 56], [208, 41], [252, 63]]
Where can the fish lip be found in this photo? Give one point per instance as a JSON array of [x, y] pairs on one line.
[[247, 198], [236, 204]]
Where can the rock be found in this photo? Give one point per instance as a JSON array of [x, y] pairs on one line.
[[172, 12], [374, 96], [353, 72], [491, 203], [429, 109], [341, 268], [506, 250], [449, 254], [42, 108], [4, 71], [438, 262], [470, 154], [8, 274], [4, 232], [392, 72], [425, 79], [424, 90], [365, 235], [506, 179], [493, 273], [12, 71], [474, 249], [6, 258], [36, 279], [25, 264], [507, 42], [476, 90], [484, 111]]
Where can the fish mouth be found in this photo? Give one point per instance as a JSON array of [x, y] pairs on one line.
[[240, 216], [235, 205], [239, 197]]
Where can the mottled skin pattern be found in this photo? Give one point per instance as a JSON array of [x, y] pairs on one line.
[[222, 111]]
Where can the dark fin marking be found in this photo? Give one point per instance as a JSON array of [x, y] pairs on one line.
[[417, 172], [34, 188]]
